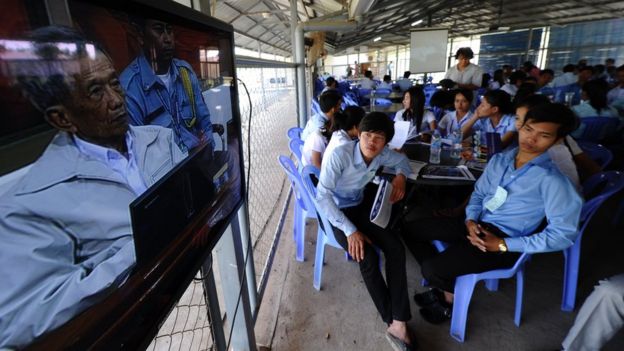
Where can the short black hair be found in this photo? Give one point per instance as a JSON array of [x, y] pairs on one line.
[[330, 81], [329, 99], [386, 78], [569, 68], [378, 122], [406, 74], [447, 83], [516, 76], [586, 68], [547, 71], [442, 99], [347, 119], [596, 91], [533, 100], [610, 60], [553, 113], [48, 89], [465, 52], [467, 93], [368, 73], [500, 99]]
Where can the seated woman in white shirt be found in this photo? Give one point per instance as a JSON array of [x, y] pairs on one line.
[[344, 127], [413, 111], [494, 115], [594, 101], [315, 145], [455, 119]]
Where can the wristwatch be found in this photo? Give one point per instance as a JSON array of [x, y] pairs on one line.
[[502, 247]]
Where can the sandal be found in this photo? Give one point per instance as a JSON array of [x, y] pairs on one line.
[[400, 345]]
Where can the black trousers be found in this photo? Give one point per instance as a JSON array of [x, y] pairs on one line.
[[390, 296], [460, 258]]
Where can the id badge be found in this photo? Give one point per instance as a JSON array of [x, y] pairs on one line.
[[497, 200]]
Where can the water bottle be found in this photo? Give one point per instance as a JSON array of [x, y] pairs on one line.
[[372, 99], [456, 139], [436, 148], [476, 140]]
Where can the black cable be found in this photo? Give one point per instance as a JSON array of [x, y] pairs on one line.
[[240, 292]]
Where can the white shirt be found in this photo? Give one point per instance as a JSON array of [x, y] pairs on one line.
[[510, 89], [494, 85], [404, 83], [314, 142], [448, 123], [338, 138], [584, 109], [562, 157], [615, 94], [384, 85], [367, 83], [428, 117], [472, 74], [564, 79], [126, 168]]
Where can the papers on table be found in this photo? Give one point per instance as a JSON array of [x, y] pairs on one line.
[[401, 130], [448, 172], [475, 164], [382, 208], [416, 166]]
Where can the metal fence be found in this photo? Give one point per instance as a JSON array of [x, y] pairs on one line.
[[273, 111]]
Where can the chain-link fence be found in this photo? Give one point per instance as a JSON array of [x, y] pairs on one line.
[[273, 111]]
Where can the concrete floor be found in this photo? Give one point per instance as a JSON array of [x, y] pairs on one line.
[[295, 316]]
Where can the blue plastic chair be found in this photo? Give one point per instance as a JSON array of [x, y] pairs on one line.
[[596, 129], [611, 182], [295, 146], [294, 133], [302, 204], [464, 286], [325, 232], [382, 93], [600, 154], [362, 96]]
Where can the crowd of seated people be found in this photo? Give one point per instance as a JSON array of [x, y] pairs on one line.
[[508, 212]]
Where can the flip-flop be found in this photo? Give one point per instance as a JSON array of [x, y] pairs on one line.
[[400, 345]]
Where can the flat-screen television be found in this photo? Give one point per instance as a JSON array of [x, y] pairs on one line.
[[197, 100]]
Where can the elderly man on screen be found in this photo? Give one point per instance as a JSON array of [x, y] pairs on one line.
[[65, 226]]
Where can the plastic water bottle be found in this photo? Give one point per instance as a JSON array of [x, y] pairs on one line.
[[456, 148], [436, 148], [372, 99], [476, 140]]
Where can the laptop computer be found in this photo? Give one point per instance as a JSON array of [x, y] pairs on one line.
[[167, 207]]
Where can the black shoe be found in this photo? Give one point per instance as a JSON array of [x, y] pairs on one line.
[[437, 313], [429, 297]]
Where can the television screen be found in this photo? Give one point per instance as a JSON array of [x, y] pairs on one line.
[[102, 66]]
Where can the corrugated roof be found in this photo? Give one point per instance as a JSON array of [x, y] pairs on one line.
[[268, 22]]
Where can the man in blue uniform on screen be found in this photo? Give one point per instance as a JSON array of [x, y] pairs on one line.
[[165, 91], [65, 230]]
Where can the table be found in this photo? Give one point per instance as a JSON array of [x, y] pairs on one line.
[[420, 152], [387, 109]]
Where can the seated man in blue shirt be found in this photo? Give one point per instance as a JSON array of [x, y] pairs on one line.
[[65, 226], [344, 175], [330, 102], [163, 90], [518, 189]]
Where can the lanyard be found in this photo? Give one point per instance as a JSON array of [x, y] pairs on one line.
[[519, 174], [175, 115]]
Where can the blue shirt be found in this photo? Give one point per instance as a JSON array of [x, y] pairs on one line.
[[316, 122], [506, 124], [149, 101], [344, 174], [126, 168], [536, 190]]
